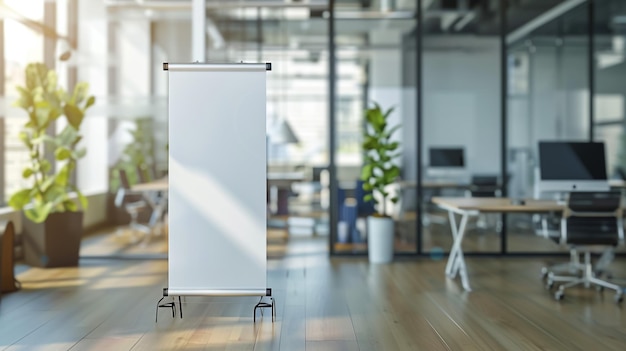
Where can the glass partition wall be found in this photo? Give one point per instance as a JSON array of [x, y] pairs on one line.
[[464, 77], [373, 47], [548, 100], [461, 120], [609, 50], [491, 83]]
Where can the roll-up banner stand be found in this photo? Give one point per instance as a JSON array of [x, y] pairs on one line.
[[217, 181]]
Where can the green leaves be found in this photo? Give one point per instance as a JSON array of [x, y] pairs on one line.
[[39, 212], [27, 172], [62, 154], [45, 102], [90, 101], [81, 198], [379, 169], [20, 199], [45, 166], [74, 115], [366, 172]]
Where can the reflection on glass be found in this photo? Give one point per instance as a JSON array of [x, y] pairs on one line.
[[548, 101], [610, 93], [461, 122], [375, 65]]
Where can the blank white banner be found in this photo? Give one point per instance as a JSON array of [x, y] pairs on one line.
[[217, 179]]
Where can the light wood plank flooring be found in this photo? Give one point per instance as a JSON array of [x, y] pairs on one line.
[[323, 304]]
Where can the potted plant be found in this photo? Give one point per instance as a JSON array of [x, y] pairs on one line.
[[378, 172], [53, 226]]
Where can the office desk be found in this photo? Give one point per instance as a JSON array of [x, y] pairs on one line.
[[467, 207], [617, 183], [279, 186], [435, 184], [155, 185]]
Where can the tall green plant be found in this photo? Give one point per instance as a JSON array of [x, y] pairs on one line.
[[45, 103], [379, 171]]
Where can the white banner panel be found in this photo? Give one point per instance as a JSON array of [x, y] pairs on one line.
[[217, 177]]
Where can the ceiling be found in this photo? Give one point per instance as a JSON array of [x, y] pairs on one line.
[[304, 22]]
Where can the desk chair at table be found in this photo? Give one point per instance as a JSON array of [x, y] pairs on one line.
[[592, 219], [132, 202], [486, 186], [549, 227]]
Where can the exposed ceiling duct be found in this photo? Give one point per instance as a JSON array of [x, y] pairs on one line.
[[214, 4], [543, 19]]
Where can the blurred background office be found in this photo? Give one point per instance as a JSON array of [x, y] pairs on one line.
[[474, 85]]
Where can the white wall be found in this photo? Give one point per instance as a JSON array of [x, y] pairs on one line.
[[133, 58], [461, 102], [385, 75], [93, 67], [171, 43]]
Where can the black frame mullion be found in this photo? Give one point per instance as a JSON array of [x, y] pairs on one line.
[[503, 118], [418, 110], [592, 69], [332, 77]]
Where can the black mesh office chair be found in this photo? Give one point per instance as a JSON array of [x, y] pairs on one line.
[[486, 186], [592, 219]]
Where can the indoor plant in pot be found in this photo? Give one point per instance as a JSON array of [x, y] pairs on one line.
[[378, 172], [52, 229]]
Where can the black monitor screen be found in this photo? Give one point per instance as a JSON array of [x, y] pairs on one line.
[[572, 161], [446, 157]]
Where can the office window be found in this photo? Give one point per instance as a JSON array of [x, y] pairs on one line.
[[23, 44]]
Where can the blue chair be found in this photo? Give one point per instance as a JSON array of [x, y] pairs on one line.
[[364, 208]]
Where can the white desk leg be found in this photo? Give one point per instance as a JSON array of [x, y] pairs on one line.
[[456, 262], [452, 257]]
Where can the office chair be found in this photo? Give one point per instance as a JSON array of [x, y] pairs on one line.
[[591, 219], [549, 226], [485, 186], [132, 203]]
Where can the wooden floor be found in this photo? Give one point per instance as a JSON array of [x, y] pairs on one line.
[[323, 304]]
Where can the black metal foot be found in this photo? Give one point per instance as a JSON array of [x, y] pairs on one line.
[[263, 304], [171, 305]]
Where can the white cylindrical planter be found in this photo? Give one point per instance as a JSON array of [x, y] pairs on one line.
[[380, 239]]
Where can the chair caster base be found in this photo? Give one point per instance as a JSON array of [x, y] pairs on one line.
[[559, 295], [544, 272]]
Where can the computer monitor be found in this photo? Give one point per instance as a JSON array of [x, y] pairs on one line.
[[447, 157], [572, 166]]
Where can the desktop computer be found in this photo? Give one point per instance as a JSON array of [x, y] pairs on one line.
[[447, 157], [572, 166], [446, 162]]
